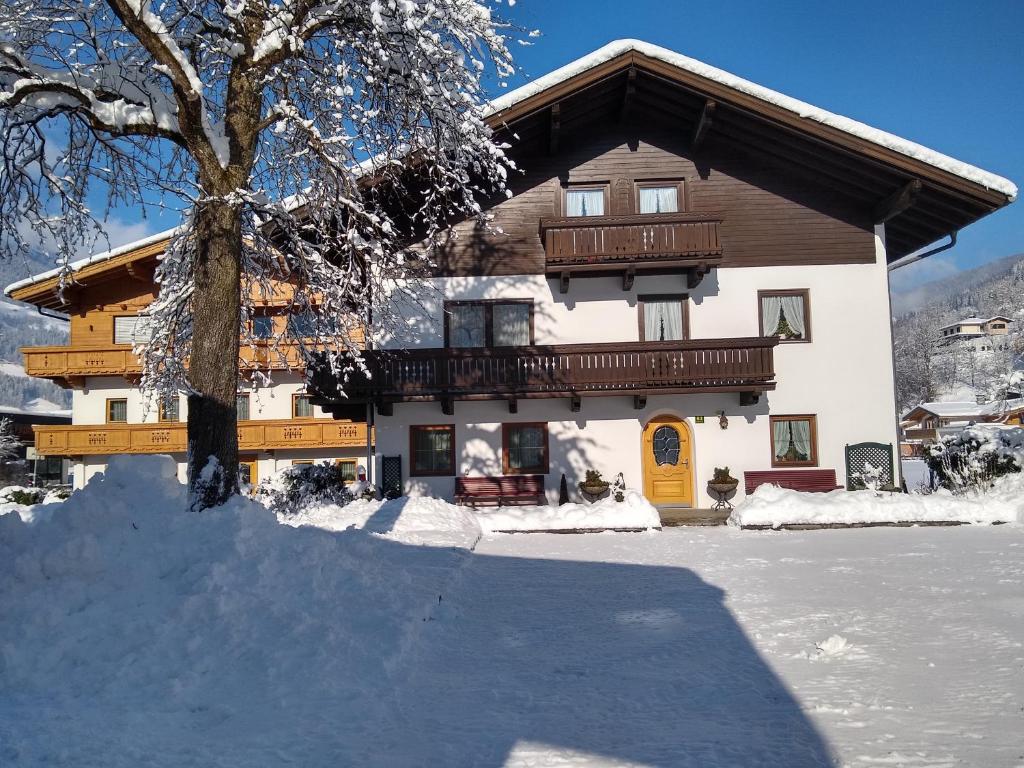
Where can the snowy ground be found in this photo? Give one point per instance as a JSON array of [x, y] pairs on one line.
[[141, 635]]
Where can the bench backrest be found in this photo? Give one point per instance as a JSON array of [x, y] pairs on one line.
[[794, 479], [503, 485]]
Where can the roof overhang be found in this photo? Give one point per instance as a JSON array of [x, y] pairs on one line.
[[919, 194]]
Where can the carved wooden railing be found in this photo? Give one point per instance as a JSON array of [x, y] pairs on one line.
[[612, 241], [164, 437], [707, 365]]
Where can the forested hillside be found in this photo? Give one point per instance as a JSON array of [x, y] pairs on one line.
[[21, 326], [926, 370]]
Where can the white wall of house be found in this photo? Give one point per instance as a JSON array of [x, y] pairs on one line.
[[843, 376]]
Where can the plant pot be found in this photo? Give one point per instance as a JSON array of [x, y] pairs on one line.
[[723, 488], [595, 490]]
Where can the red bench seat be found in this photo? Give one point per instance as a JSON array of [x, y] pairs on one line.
[[504, 490], [814, 480]]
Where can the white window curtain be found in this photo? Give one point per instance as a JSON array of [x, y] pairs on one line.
[[795, 431], [466, 326], [132, 330], [659, 199], [663, 320], [794, 309], [771, 312], [511, 325], [584, 202]]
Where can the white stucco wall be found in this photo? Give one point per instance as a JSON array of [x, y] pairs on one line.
[[843, 376]]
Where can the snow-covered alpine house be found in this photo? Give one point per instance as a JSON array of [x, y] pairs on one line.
[[690, 273], [278, 425]]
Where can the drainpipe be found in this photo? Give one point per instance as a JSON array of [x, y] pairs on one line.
[[911, 259]]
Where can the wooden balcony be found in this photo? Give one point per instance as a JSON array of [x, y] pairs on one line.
[[920, 433], [645, 243], [258, 435], [68, 366], [743, 365]]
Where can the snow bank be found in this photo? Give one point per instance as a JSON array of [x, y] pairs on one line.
[[634, 512], [424, 521], [135, 632], [772, 506]]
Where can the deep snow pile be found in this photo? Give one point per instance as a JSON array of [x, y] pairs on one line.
[[426, 521], [633, 512], [772, 506], [134, 632]]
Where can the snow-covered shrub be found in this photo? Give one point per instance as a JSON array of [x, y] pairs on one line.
[[304, 485], [18, 494], [870, 479], [974, 458]]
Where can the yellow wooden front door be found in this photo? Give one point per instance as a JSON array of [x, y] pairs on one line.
[[668, 462]]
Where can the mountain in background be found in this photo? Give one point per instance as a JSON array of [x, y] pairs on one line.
[[23, 326], [960, 285]]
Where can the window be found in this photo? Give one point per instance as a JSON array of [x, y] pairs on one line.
[[117, 411], [663, 317], [348, 469], [263, 327], [785, 314], [525, 449], [302, 462], [168, 410], [794, 441], [302, 408], [584, 201], [489, 323], [132, 329], [242, 407], [432, 450], [302, 325], [666, 445], [658, 198], [247, 471]]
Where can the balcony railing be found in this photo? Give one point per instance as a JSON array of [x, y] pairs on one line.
[[68, 365], [634, 243], [164, 437], [638, 368]]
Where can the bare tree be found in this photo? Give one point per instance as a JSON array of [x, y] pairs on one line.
[[262, 121], [9, 443]]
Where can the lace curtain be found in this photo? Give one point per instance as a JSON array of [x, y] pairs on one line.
[[659, 199], [466, 326], [584, 202], [663, 320], [792, 434], [774, 308], [511, 325]]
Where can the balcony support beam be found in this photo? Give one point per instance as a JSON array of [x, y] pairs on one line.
[[447, 405], [700, 130], [385, 408], [749, 398], [896, 203], [563, 282], [575, 403], [627, 278], [639, 402], [628, 96], [513, 405], [554, 128], [695, 275]]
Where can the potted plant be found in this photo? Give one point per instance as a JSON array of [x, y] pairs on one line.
[[594, 485], [722, 483]]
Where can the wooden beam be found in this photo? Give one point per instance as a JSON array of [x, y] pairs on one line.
[[700, 130], [627, 278], [749, 398], [695, 275], [447, 406], [513, 405], [628, 96], [563, 282], [639, 402], [575, 403], [385, 408], [897, 202], [554, 127]]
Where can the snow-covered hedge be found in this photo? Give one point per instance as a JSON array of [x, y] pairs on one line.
[[972, 459], [304, 485]]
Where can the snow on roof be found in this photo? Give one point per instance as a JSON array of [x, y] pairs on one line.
[[13, 410], [74, 266], [967, 408], [853, 127], [976, 321]]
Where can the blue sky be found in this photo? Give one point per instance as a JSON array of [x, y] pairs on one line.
[[946, 73]]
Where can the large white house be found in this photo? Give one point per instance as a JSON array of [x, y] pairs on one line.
[[690, 273]]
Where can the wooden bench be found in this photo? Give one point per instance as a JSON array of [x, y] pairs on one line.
[[503, 490], [814, 480]]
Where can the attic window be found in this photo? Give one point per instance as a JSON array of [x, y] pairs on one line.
[[658, 198], [582, 201]]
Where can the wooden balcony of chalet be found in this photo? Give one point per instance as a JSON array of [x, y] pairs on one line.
[[633, 244], [640, 369], [170, 437], [69, 365]]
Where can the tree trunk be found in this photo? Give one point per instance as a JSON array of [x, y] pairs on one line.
[[213, 363]]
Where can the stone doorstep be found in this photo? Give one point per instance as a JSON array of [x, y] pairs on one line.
[[677, 516]]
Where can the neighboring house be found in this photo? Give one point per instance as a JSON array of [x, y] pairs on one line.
[[690, 273], [278, 425], [29, 467], [982, 333], [927, 422]]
